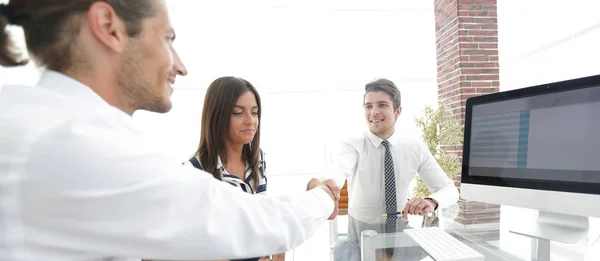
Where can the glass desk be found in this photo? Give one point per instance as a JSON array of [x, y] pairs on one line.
[[365, 239]]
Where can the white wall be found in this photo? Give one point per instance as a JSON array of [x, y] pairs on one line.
[[545, 41]]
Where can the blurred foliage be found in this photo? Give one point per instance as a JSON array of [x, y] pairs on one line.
[[439, 128]]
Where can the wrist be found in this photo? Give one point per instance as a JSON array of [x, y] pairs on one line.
[[434, 203]]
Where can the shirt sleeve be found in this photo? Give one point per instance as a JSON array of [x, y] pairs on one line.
[[442, 188], [344, 164], [97, 188]]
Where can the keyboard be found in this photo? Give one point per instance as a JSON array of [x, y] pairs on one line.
[[441, 246]]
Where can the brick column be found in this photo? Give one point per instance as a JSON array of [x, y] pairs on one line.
[[467, 64]]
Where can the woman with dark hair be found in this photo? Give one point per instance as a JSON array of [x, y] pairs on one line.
[[230, 138]]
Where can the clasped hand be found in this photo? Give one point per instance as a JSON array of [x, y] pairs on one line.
[[329, 186]]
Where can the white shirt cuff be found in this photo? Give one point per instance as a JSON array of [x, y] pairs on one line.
[[325, 200]]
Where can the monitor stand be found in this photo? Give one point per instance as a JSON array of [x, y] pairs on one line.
[[551, 226]]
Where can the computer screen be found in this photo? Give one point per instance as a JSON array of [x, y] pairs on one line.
[[548, 137], [544, 137]]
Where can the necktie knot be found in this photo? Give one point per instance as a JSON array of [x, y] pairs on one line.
[[385, 143]]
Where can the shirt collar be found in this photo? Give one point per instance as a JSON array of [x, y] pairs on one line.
[[220, 164], [70, 88], [376, 141], [222, 168]]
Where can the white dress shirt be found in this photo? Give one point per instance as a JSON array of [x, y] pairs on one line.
[[77, 182], [361, 161]]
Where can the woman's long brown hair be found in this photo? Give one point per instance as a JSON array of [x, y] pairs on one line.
[[219, 101]]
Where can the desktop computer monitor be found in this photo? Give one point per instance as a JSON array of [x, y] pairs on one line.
[[537, 148]]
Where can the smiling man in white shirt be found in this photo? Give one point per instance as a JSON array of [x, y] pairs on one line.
[[380, 165], [77, 181]]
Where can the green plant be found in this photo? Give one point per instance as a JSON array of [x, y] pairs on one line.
[[439, 129]]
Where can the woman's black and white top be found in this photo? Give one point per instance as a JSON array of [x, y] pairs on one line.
[[246, 185]]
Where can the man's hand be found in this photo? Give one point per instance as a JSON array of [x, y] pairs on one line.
[[329, 186], [419, 206], [279, 257]]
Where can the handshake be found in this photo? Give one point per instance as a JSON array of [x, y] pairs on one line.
[[329, 186]]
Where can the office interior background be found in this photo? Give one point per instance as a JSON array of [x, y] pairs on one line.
[[310, 60]]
